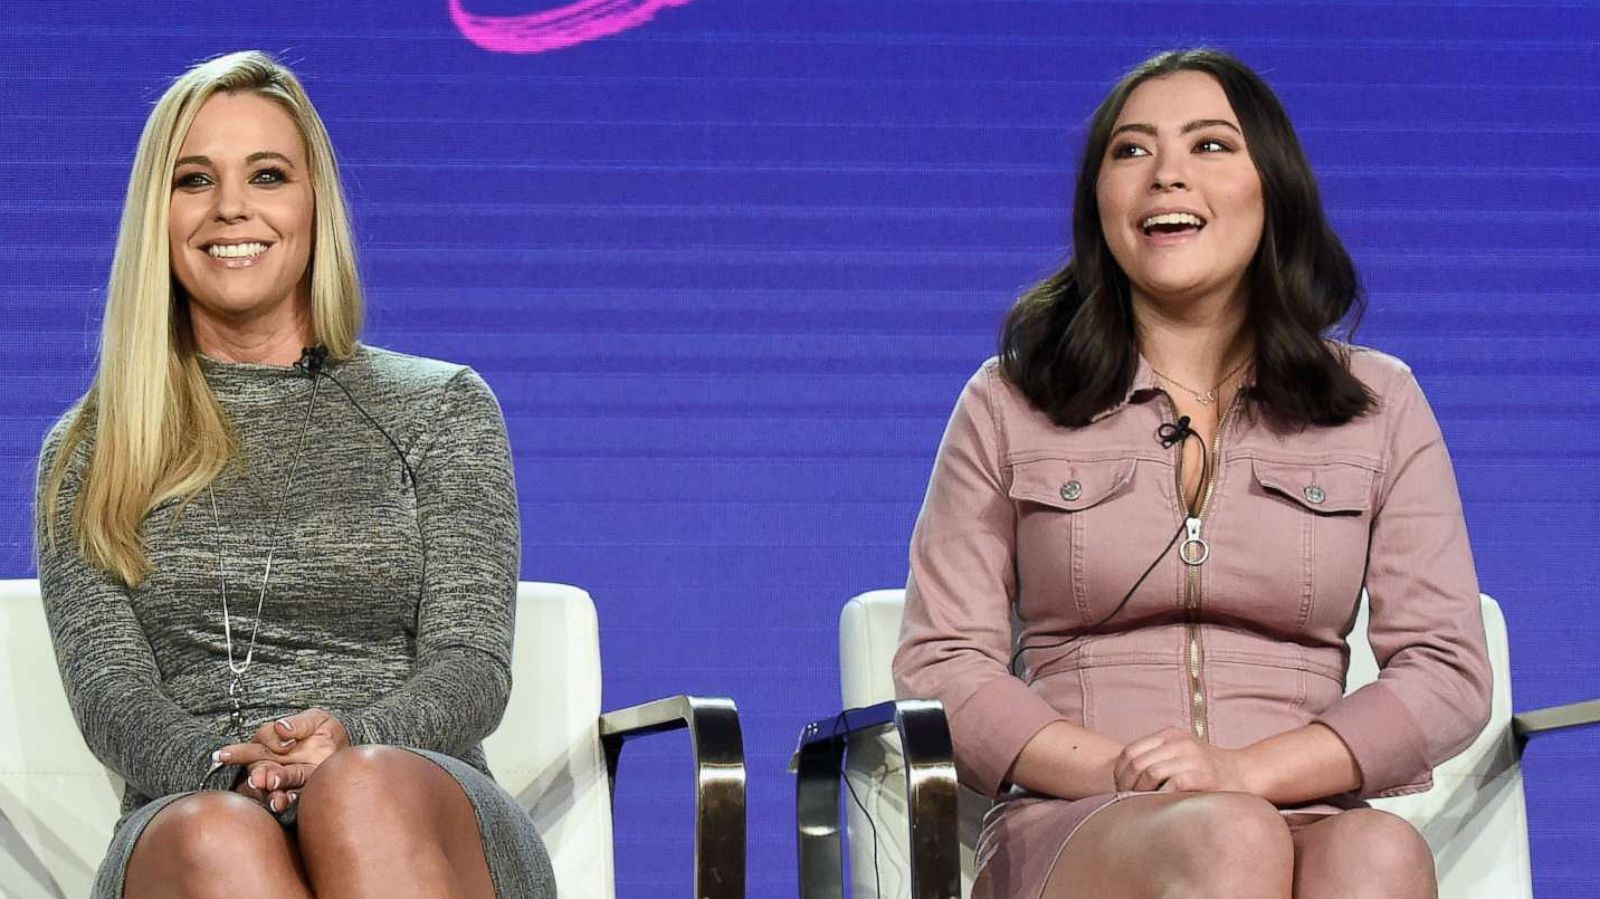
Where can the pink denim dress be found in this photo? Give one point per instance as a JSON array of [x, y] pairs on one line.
[[1053, 525]]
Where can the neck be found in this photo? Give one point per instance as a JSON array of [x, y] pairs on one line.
[[1199, 344], [276, 337]]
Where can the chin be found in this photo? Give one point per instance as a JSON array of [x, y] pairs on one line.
[[231, 303]]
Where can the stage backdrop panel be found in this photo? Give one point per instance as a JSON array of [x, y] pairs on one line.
[[728, 262]]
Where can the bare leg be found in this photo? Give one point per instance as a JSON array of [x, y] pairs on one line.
[[214, 846], [1362, 854], [1191, 845], [376, 821]]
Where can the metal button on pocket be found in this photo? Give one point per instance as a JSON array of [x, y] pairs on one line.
[[1071, 490], [1314, 494]]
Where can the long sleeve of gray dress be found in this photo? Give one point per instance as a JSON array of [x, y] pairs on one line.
[[112, 681], [389, 602], [467, 510]]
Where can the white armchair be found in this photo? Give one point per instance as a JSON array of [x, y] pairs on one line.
[[1474, 818], [554, 751]]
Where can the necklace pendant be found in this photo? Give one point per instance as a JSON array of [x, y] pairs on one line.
[[236, 698], [1207, 398]]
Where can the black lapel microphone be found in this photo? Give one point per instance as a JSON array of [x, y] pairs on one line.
[[312, 359], [1171, 433]]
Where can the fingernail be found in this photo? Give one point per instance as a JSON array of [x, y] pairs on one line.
[[288, 741], [274, 781], [294, 795], [273, 804], [222, 755], [284, 724], [216, 757]]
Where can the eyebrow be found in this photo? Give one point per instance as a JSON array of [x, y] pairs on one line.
[[248, 160], [1195, 125]]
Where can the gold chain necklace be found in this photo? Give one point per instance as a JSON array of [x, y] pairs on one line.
[[1209, 396]]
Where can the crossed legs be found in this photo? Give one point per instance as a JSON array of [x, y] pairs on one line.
[[1204, 845], [373, 821]]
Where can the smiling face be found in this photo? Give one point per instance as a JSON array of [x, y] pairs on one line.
[[242, 213], [1180, 200]]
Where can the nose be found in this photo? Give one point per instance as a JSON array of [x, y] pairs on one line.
[[1169, 173], [231, 202]]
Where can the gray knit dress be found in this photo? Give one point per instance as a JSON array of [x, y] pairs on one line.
[[390, 603]]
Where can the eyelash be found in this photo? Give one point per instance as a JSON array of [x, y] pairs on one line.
[[194, 180], [1125, 151]]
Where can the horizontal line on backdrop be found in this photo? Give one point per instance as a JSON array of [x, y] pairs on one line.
[[1585, 171], [723, 38], [859, 297], [1580, 212], [1454, 127], [711, 253]]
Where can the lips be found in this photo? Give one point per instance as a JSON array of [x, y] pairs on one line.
[[236, 252], [243, 250], [1169, 223]]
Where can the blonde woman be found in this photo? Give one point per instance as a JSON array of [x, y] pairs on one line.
[[279, 565]]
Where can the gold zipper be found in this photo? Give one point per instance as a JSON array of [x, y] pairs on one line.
[[1192, 560]]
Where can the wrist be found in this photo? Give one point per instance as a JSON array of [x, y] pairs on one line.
[[1255, 773]]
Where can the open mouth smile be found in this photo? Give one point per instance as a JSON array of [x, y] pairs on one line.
[[236, 255], [1171, 225]]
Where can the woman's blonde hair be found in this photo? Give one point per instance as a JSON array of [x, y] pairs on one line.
[[154, 428]]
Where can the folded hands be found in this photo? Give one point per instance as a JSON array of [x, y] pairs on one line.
[[280, 759]]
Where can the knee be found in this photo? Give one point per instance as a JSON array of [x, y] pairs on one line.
[[208, 832], [357, 779], [1381, 854], [1227, 844]]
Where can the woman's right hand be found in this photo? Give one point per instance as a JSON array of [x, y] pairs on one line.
[[276, 786]]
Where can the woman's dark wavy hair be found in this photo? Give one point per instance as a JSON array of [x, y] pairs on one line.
[[1069, 343]]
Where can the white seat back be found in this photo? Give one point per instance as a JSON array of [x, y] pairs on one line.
[[546, 751], [58, 803], [1474, 818]]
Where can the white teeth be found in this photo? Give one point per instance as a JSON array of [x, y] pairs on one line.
[[1172, 218], [235, 250]]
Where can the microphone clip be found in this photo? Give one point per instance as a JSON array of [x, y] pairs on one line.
[[1174, 432], [312, 360]]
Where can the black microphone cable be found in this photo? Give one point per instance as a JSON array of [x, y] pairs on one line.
[[1169, 434], [313, 363]]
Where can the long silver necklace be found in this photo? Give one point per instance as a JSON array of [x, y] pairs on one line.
[[237, 668], [1210, 396]]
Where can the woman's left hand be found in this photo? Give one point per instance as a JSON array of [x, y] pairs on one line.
[[306, 738], [1173, 760]]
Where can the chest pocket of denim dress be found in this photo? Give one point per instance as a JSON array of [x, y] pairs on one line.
[[1322, 516], [1065, 515]]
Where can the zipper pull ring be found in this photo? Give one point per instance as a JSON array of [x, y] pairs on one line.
[[1193, 551]]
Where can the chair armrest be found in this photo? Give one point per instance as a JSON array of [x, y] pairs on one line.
[[719, 792], [935, 860], [1539, 721]]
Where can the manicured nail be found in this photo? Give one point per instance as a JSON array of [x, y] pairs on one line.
[[274, 781], [222, 755], [294, 795], [285, 726], [216, 757], [273, 804]]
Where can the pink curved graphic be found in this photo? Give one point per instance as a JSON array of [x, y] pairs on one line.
[[553, 29]]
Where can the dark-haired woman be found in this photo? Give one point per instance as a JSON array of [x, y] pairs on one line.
[[1180, 487]]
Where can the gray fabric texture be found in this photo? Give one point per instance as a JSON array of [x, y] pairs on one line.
[[390, 604]]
